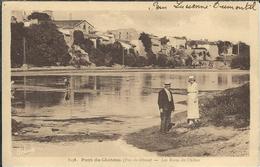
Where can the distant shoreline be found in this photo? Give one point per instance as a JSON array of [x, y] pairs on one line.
[[72, 70]]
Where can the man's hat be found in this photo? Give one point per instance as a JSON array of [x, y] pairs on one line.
[[167, 82]]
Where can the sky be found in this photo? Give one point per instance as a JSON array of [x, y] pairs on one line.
[[192, 24]]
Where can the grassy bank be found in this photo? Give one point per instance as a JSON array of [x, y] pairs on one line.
[[224, 129], [227, 108]]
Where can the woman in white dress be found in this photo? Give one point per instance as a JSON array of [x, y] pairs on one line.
[[193, 104]]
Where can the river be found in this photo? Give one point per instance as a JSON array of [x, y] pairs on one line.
[[107, 104]]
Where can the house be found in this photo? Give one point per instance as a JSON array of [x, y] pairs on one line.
[[125, 34], [94, 38], [156, 44], [199, 53], [126, 45], [67, 27], [166, 49], [81, 25], [106, 38], [28, 23], [139, 47], [177, 42], [211, 48], [18, 16], [14, 19]]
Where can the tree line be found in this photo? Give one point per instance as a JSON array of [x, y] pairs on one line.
[[43, 44]]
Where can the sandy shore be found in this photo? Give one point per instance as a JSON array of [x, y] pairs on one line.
[[223, 131], [214, 137], [183, 141]]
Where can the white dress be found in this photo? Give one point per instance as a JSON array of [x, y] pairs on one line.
[[193, 104]]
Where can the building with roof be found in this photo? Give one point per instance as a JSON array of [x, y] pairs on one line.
[[106, 38], [166, 49], [156, 44], [67, 27], [126, 45], [177, 42], [127, 34], [139, 47], [211, 48], [18, 16], [81, 25]]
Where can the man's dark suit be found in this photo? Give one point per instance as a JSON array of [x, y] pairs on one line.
[[167, 107]]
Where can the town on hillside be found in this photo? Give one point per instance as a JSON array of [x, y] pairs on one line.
[[37, 39]]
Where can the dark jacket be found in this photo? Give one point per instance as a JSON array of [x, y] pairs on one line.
[[163, 101]]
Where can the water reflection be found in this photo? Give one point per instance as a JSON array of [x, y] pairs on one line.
[[129, 94]]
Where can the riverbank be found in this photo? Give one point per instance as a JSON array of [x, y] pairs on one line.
[[224, 129], [36, 132], [70, 70]]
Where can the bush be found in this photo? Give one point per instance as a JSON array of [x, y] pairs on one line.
[[99, 58], [141, 61], [228, 108], [130, 60], [188, 61], [220, 58], [242, 62], [171, 62], [151, 57], [162, 60]]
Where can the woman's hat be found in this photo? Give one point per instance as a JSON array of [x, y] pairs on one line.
[[191, 78]]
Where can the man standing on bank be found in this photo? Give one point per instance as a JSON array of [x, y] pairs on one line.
[[166, 106]]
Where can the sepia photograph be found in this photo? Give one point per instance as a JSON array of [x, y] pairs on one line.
[[146, 80]]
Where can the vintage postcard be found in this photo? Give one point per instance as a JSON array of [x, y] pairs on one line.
[[130, 83]]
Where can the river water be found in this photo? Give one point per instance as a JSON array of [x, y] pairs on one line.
[[116, 103]]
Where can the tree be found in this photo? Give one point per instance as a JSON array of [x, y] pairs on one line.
[[192, 43], [152, 59], [99, 58], [243, 59], [162, 60], [146, 40], [141, 61], [78, 37], [117, 51], [223, 47], [188, 61], [85, 43], [130, 60], [39, 16], [171, 62], [46, 45], [164, 40], [17, 35]]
